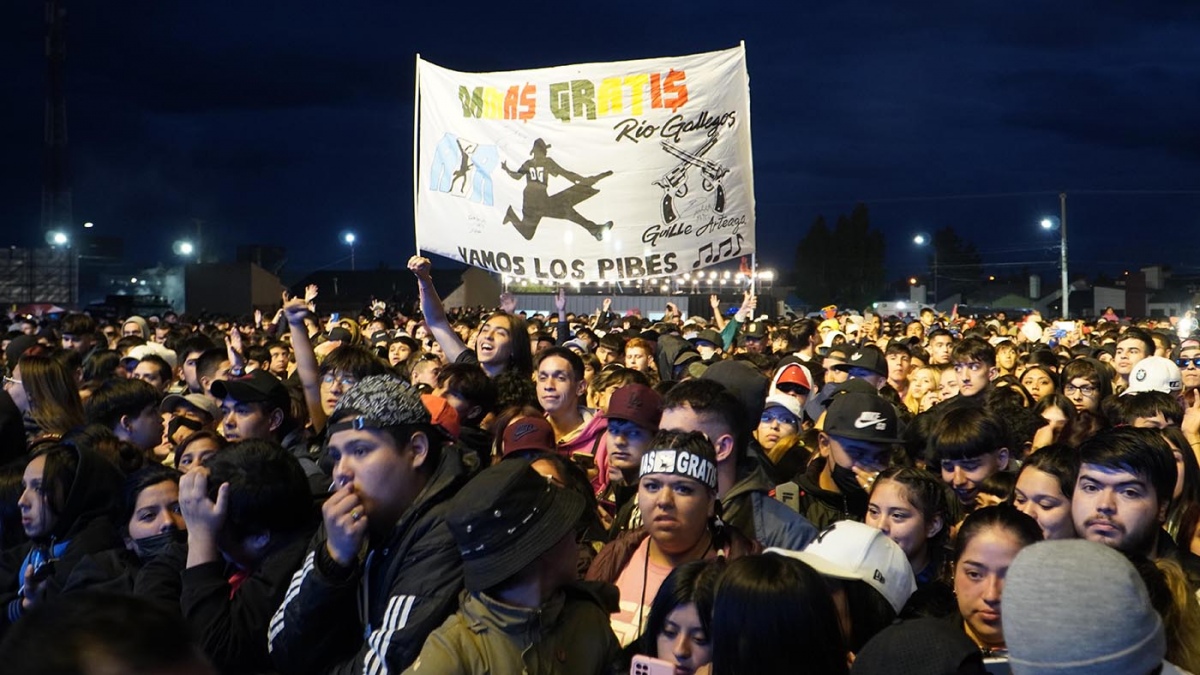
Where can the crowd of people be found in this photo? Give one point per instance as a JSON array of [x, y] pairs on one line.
[[458, 490]]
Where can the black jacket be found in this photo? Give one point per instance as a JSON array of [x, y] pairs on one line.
[[86, 527], [231, 625], [409, 583], [824, 507]]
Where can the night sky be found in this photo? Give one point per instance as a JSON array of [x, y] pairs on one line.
[[289, 123]]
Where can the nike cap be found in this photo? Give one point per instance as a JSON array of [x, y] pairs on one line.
[[862, 417]]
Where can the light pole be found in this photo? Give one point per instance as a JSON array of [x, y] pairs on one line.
[[1048, 224], [349, 238], [921, 240]]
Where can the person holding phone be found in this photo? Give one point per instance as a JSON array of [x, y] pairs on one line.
[[677, 639]]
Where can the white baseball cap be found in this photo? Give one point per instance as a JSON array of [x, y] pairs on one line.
[[1155, 373], [851, 550]]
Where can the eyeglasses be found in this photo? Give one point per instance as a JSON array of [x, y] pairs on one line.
[[1086, 390], [11, 380], [974, 367], [346, 381], [1184, 363]]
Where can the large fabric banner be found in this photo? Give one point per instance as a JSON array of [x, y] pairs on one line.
[[592, 172]]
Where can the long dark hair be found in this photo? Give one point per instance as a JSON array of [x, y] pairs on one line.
[[1184, 515], [769, 609], [930, 495], [690, 583]]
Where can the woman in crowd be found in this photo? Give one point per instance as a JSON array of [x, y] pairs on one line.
[[774, 614], [152, 520], [66, 506], [196, 448], [1183, 518], [987, 542], [1058, 411], [922, 389], [913, 508], [679, 625], [1044, 488], [47, 396], [1040, 381], [677, 496]]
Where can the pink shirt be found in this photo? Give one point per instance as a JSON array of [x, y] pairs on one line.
[[591, 438], [638, 583]]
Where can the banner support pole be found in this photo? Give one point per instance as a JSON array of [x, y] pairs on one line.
[[416, 150]]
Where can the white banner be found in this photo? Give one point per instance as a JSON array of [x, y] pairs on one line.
[[602, 171]]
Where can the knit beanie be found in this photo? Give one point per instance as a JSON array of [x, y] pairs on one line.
[[1078, 607]]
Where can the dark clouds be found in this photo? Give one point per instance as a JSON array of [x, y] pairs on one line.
[[287, 123]]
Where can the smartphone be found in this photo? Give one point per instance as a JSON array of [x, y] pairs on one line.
[[648, 665], [335, 317], [997, 666], [585, 460]]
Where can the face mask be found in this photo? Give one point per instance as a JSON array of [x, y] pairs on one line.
[[179, 421], [847, 482], [151, 547]]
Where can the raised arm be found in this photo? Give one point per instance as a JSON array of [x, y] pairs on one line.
[[718, 320], [294, 310], [435, 313], [560, 305]]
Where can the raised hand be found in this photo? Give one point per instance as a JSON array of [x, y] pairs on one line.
[[421, 266], [508, 303], [560, 300], [310, 293], [203, 516], [345, 525], [294, 309]]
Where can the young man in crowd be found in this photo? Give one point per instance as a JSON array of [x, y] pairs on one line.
[[130, 409], [899, 360], [1134, 345], [939, 346], [968, 445], [866, 363], [516, 533], [974, 361], [383, 571], [743, 488], [211, 366], [472, 394], [1126, 479], [79, 333], [249, 519], [634, 412], [154, 370], [560, 386], [190, 351], [853, 446], [257, 406]]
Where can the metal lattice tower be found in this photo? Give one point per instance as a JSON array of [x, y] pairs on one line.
[[56, 180]]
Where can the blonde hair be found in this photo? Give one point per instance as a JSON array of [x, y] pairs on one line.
[[911, 403]]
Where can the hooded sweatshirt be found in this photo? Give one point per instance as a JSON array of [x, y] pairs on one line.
[[84, 527]]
